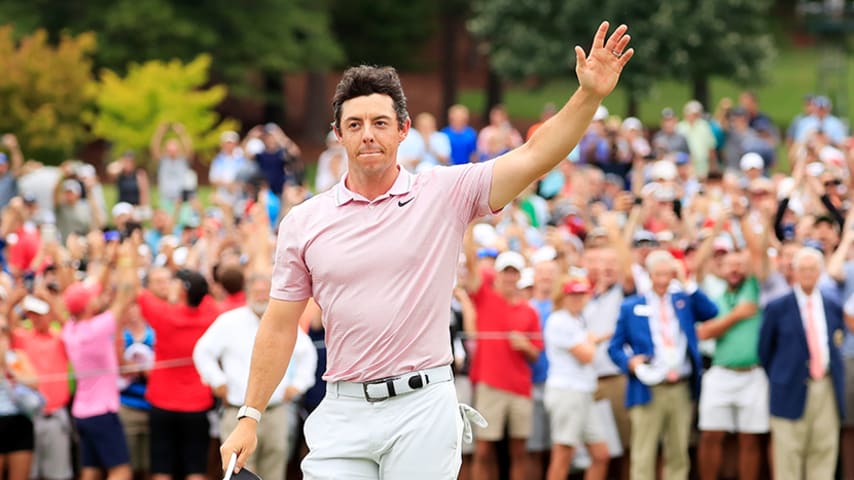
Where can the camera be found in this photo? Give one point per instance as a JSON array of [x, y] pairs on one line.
[[187, 195]]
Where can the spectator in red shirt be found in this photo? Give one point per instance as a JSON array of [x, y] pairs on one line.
[[179, 400], [46, 351], [509, 341], [21, 236]]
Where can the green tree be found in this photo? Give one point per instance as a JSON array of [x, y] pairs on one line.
[[687, 39], [726, 38], [247, 40], [385, 32], [45, 90], [131, 107]]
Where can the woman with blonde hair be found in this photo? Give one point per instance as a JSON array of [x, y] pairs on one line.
[[571, 383]]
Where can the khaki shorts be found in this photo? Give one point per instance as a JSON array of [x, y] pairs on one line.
[[500, 409], [52, 459], [135, 425], [613, 389], [734, 401], [573, 420]]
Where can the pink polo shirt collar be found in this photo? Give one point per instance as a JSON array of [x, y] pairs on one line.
[[401, 186]]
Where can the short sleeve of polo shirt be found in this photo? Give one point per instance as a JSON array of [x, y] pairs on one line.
[[468, 191], [291, 279], [563, 331]]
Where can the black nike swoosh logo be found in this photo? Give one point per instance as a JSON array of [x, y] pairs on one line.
[[400, 204]]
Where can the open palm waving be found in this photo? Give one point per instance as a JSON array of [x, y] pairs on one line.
[[599, 71]]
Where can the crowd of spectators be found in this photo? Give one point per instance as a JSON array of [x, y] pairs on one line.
[[622, 293]]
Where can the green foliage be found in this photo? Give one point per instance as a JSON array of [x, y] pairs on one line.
[[45, 90], [384, 32], [246, 36], [130, 108], [730, 38], [672, 38]]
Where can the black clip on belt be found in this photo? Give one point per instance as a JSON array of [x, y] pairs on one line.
[[415, 383]]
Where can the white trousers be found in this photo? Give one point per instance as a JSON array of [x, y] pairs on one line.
[[414, 436]]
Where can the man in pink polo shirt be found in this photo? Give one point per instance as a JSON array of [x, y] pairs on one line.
[[378, 253]]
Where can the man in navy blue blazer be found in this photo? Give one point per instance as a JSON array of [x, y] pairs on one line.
[[799, 348], [655, 343]]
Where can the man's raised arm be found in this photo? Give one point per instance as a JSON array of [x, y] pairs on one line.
[[597, 74]]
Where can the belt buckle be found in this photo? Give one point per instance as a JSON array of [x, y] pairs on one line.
[[389, 383]]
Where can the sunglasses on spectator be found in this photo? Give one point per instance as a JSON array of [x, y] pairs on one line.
[[759, 193], [833, 183]]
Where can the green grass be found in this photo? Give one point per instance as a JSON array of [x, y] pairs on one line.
[[794, 73]]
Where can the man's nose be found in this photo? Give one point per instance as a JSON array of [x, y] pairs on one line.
[[367, 134]]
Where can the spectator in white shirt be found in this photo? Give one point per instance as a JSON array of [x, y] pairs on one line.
[[222, 356], [424, 147], [571, 383], [331, 165], [228, 164]]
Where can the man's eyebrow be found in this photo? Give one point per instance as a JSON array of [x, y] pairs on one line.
[[359, 119]]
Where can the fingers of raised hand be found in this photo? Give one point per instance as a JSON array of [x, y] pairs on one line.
[[615, 37], [599, 38]]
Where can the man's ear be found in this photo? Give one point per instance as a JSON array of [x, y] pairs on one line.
[[404, 129], [337, 132]]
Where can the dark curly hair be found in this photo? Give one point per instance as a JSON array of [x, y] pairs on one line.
[[366, 80]]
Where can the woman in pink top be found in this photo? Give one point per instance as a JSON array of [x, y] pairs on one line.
[[90, 340]]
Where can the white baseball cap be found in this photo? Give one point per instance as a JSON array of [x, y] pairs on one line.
[[601, 114], [35, 305], [751, 160], [229, 136], [507, 260], [632, 123], [122, 208], [526, 279], [663, 170], [485, 235], [543, 254]]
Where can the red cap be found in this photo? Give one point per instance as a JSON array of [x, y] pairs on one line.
[[78, 295], [577, 285]]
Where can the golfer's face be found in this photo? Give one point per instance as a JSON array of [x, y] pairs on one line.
[[371, 133]]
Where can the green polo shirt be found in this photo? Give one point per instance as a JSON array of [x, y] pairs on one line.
[[738, 346]]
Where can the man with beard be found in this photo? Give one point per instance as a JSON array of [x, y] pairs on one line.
[[222, 357], [734, 395]]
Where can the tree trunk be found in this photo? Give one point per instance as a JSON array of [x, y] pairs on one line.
[[494, 93], [700, 85], [631, 104], [449, 37], [274, 104], [317, 110]]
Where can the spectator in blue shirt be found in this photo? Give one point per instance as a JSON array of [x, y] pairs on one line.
[[462, 136]]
